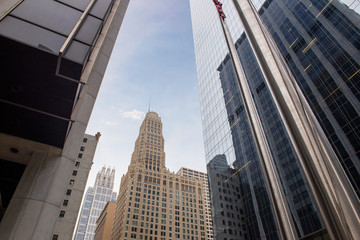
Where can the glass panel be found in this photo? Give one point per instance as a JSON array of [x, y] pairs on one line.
[[100, 8], [31, 35], [88, 30], [77, 52], [79, 4], [48, 14]]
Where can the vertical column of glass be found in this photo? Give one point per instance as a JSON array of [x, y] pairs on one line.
[[335, 197], [281, 208]]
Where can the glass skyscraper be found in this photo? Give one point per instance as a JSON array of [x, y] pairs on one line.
[[95, 200], [319, 41], [321, 45]]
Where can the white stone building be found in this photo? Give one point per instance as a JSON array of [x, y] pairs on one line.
[[95, 200]]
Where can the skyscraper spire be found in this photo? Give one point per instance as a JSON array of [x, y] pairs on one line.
[[150, 139], [149, 104]]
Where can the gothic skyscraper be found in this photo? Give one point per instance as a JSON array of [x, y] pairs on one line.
[[154, 203]]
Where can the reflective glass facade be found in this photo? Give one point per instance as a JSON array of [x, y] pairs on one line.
[[319, 40], [255, 195], [227, 207]]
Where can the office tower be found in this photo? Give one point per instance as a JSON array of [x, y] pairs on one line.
[[84, 214], [228, 212], [154, 203], [54, 55], [190, 173], [95, 200], [69, 210], [105, 222], [326, 64], [319, 41]]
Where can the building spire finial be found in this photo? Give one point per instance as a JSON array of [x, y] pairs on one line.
[[149, 104]]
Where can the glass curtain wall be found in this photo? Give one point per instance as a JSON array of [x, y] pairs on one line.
[[319, 40]]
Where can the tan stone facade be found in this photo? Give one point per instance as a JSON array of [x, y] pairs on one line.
[[186, 172], [154, 203], [105, 222]]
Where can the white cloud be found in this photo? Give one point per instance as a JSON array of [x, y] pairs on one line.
[[110, 123], [117, 109], [134, 114]]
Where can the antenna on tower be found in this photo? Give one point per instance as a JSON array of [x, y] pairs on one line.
[[149, 104]]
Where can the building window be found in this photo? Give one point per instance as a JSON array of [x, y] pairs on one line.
[[72, 181], [85, 140], [55, 237], [74, 173], [80, 155], [77, 164], [62, 214], [65, 202], [68, 192]]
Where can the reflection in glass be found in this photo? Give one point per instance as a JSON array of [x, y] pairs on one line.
[[319, 41]]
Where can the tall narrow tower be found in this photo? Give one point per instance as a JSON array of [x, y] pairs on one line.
[[154, 203]]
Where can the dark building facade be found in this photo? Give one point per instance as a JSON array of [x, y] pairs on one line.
[[255, 196], [319, 41], [227, 208]]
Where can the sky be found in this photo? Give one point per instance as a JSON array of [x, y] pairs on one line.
[[153, 58]]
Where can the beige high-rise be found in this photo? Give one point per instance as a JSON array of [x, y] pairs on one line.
[[187, 172], [154, 203], [105, 222]]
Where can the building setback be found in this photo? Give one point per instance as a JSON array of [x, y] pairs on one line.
[[69, 211], [154, 203], [54, 55], [190, 173], [319, 41], [96, 199], [105, 222]]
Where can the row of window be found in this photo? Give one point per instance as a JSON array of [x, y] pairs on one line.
[[176, 235], [72, 181]]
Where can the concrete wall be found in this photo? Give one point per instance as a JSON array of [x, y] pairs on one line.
[[35, 207]]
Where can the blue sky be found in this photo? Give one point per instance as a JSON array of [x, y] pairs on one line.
[[153, 58]]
